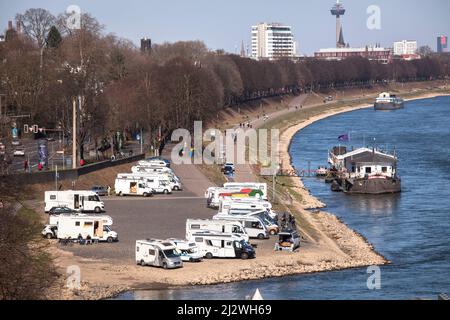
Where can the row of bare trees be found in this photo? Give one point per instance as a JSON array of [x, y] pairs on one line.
[[126, 90]]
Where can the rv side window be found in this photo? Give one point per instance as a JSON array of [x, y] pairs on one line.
[[77, 223], [368, 170], [53, 197], [256, 225], [195, 226], [137, 249], [93, 198], [228, 243], [141, 185], [198, 239], [384, 169], [151, 252], [209, 243], [87, 224]]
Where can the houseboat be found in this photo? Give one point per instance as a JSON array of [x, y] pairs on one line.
[[387, 101], [364, 171]]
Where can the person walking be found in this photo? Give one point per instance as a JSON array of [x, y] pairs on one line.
[[109, 190], [25, 165]]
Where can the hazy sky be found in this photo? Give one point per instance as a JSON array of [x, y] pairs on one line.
[[224, 24]]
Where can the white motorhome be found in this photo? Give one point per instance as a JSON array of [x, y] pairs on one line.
[[106, 220], [149, 169], [157, 253], [213, 195], [222, 245], [154, 163], [244, 206], [82, 200], [248, 185], [224, 226], [159, 183], [187, 250], [86, 226], [172, 179], [254, 226], [129, 185]]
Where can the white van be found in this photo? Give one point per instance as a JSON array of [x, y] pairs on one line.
[[254, 226], [157, 253], [187, 250], [82, 200], [222, 245], [72, 226], [132, 186], [159, 183], [224, 226], [248, 185]]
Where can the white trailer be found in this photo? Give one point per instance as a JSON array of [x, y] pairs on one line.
[[157, 253], [80, 200], [222, 245], [224, 226], [84, 226], [159, 183], [128, 185], [254, 226], [248, 185]]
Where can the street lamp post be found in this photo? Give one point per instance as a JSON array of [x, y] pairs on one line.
[[74, 134]]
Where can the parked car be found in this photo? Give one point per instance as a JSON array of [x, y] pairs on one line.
[[100, 190], [15, 142], [61, 210], [228, 170], [19, 152]]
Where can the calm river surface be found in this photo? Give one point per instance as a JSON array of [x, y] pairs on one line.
[[411, 229]]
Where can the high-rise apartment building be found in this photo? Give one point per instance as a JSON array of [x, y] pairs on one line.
[[272, 41]]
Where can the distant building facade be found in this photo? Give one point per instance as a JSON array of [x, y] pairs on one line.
[[272, 41], [405, 47], [146, 45], [442, 44], [375, 53]]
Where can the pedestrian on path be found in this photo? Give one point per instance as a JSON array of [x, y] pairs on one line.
[[109, 190], [25, 165]]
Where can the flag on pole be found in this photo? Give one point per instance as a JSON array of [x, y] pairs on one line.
[[344, 138]]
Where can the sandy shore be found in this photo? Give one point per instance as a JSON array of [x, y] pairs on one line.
[[329, 245]]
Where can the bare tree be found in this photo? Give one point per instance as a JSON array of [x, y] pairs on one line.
[[36, 23]]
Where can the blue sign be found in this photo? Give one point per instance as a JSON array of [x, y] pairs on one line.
[[15, 133]]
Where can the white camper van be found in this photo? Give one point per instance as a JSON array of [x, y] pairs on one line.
[[244, 206], [213, 195], [88, 226], [224, 226], [84, 201], [254, 226], [154, 163], [157, 253], [129, 185], [222, 245], [248, 185], [187, 250], [170, 178], [149, 169], [106, 220], [158, 183]]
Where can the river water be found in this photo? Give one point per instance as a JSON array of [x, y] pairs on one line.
[[411, 229]]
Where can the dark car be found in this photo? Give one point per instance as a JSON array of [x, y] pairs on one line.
[[228, 170], [100, 190], [61, 210]]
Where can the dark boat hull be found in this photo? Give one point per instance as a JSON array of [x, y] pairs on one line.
[[369, 186], [388, 106]]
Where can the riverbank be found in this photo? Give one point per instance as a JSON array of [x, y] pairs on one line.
[[328, 243]]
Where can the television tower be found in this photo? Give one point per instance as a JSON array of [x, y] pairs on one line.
[[338, 11]]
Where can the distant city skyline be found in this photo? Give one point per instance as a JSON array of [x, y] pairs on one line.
[[224, 25]]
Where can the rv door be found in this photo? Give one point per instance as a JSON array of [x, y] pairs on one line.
[[76, 201]]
